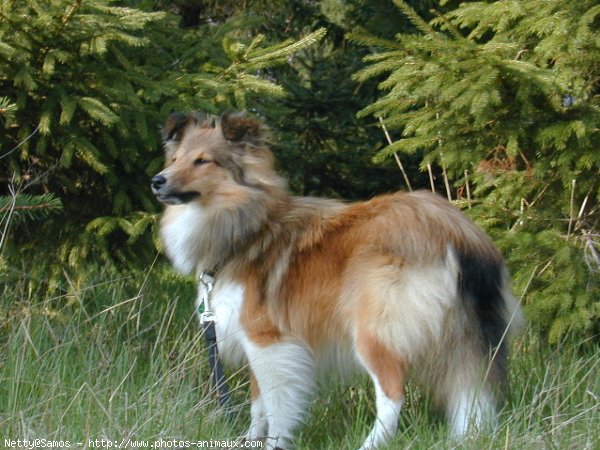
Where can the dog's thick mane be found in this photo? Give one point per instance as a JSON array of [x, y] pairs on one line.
[[265, 220]]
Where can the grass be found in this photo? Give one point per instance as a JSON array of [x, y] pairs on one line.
[[123, 359]]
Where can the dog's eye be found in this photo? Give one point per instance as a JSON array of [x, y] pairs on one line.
[[200, 161]]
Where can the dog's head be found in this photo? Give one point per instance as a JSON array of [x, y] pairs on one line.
[[213, 160]]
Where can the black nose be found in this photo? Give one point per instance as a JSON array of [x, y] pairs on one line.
[[157, 182]]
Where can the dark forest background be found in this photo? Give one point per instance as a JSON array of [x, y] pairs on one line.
[[492, 104]]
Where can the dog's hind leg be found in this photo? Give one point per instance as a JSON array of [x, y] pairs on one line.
[[387, 371], [465, 392], [470, 409], [284, 372], [462, 379]]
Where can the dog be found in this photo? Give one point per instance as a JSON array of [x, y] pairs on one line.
[[403, 284]]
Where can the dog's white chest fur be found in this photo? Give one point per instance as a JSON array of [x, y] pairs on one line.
[[180, 234]]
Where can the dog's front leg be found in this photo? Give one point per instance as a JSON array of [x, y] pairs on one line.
[[284, 374], [258, 420]]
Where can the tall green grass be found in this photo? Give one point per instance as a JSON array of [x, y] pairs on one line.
[[123, 359]]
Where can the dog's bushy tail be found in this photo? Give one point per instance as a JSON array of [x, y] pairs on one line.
[[472, 380], [484, 286]]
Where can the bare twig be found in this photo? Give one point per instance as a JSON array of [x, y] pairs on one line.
[[468, 187], [571, 208], [590, 254], [20, 144], [390, 142], [446, 182], [524, 203], [431, 183], [444, 173], [9, 213], [583, 205]]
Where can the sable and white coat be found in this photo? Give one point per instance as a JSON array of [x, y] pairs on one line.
[[401, 283]]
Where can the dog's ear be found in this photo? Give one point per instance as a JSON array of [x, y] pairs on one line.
[[238, 127], [173, 128], [177, 122]]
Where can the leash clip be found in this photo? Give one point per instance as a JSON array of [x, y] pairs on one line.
[[207, 283], [207, 279], [207, 316]]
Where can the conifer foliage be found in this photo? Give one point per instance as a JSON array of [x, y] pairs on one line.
[[502, 97], [508, 93], [86, 85]]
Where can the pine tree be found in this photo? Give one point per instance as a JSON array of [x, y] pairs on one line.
[[16, 207], [507, 92], [91, 83], [320, 145]]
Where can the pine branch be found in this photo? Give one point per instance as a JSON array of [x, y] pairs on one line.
[[269, 55], [71, 10], [7, 109], [30, 207], [415, 19], [365, 39]]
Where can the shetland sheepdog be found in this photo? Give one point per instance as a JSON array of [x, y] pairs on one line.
[[400, 285]]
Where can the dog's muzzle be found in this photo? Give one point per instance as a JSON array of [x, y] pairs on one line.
[[165, 195]]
